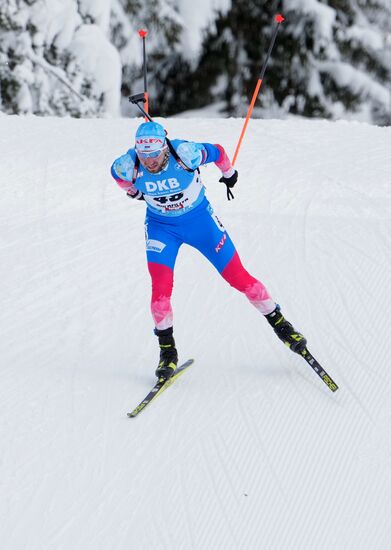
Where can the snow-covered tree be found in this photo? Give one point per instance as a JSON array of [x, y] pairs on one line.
[[327, 60], [378, 13], [168, 69], [332, 58], [55, 58]]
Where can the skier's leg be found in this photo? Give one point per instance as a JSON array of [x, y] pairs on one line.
[[235, 274], [209, 236], [162, 245], [255, 291], [212, 240], [162, 278]]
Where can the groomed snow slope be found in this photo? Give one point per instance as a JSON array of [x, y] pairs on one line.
[[249, 450]]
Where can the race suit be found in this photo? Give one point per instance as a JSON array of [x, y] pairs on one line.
[[178, 212]]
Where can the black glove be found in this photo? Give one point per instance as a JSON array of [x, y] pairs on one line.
[[230, 182], [138, 195]]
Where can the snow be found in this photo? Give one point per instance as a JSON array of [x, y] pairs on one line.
[[132, 51], [357, 81], [324, 16], [249, 449], [58, 25], [213, 110], [368, 37], [56, 20], [196, 19], [98, 10], [99, 59]]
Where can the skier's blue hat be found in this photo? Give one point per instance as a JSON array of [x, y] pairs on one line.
[[150, 136]]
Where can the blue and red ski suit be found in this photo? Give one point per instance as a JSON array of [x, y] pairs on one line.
[[178, 212]]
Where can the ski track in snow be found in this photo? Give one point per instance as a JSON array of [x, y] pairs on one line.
[[249, 449]]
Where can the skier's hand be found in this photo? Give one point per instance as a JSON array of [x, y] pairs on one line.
[[138, 195], [230, 180]]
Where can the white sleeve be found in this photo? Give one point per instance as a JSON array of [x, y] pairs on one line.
[[124, 167], [191, 154]]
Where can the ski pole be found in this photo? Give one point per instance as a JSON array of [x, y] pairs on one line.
[[278, 19], [143, 34], [136, 100]]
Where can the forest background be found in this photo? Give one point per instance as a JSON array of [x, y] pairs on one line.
[[332, 58]]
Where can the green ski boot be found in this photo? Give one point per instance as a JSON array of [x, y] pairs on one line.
[[168, 354], [285, 331]]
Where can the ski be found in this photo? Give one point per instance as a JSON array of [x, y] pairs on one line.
[[160, 387], [313, 363]]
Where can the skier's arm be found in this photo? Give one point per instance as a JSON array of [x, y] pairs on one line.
[[122, 171], [196, 154], [230, 175]]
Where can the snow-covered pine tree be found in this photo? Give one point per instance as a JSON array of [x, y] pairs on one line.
[[50, 59], [168, 70], [327, 61], [378, 13]]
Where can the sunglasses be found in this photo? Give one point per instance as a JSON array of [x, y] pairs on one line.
[[151, 155]]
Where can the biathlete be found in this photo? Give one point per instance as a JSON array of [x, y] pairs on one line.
[[165, 174]]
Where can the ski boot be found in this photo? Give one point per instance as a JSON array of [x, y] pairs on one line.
[[168, 354], [285, 331]]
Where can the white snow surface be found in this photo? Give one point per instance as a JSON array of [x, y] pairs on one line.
[[249, 449]]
